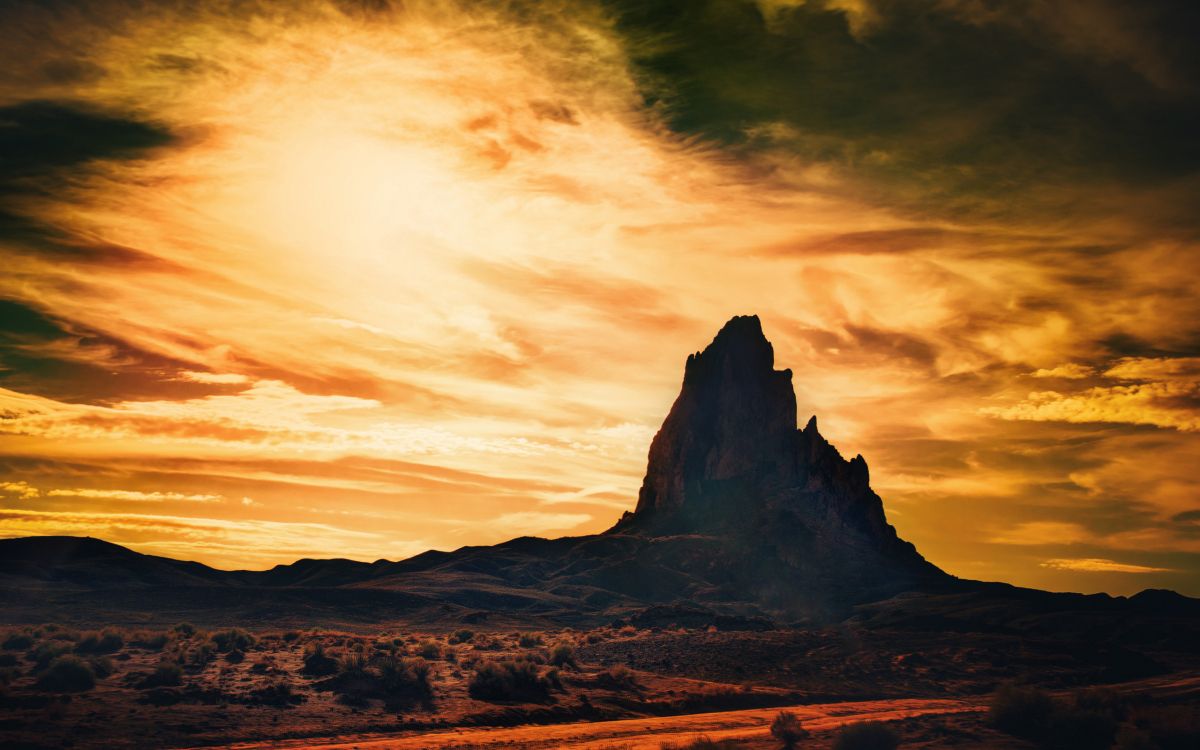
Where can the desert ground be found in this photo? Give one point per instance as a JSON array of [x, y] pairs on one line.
[[613, 688]]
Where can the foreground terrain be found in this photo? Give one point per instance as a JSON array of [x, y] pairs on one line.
[[613, 687]]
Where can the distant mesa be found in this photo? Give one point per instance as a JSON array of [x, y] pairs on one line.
[[743, 519]]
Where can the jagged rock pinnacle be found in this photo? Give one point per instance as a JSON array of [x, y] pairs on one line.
[[729, 460]]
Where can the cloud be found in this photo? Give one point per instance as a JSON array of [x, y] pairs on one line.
[[135, 496], [22, 490], [1069, 371], [215, 378], [535, 522], [1098, 565], [1164, 404], [1036, 533]]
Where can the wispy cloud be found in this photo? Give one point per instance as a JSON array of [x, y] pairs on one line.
[[1098, 565], [135, 495]]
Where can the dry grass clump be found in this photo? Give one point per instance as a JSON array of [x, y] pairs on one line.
[[67, 674], [234, 639], [166, 674], [866, 735], [509, 680], [619, 677], [563, 655], [787, 729]]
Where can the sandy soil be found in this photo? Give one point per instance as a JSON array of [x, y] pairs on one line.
[[646, 734]]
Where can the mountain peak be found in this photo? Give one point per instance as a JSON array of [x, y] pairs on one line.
[[730, 461]]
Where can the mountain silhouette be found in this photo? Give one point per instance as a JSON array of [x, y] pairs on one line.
[[743, 520]]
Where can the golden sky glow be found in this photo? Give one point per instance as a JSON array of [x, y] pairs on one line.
[[394, 280]]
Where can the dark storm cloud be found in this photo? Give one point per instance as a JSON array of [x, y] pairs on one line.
[[957, 108], [61, 360], [40, 136]]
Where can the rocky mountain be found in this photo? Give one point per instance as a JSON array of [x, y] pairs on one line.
[[743, 519]]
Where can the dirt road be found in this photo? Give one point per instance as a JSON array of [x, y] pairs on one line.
[[640, 734]]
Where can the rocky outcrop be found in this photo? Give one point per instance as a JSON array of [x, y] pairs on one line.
[[801, 525]]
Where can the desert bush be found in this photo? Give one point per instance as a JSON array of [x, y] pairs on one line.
[[234, 639], [563, 655], [201, 655], [462, 635], [866, 735], [594, 637], [513, 680], [787, 729], [317, 663], [1130, 737], [235, 656], [353, 664], [47, 651], [291, 635], [530, 640], [150, 640], [106, 642], [8, 660], [17, 642], [619, 677], [102, 666], [67, 674], [184, 629], [1024, 712], [275, 694], [405, 678], [430, 650], [8, 674], [166, 674], [1081, 729], [1170, 727]]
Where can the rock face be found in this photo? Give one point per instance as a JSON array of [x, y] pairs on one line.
[[802, 523]]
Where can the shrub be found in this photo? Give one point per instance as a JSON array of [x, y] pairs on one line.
[[235, 656], [8, 660], [101, 666], [1081, 729], [317, 663], [619, 677], [1171, 727], [184, 629], [166, 674], [275, 694], [530, 640], [200, 655], [153, 641], [44, 653], [17, 642], [429, 650], [352, 664], [107, 642], [404, 678], [462, 636], [234, 639], [1024, 712], [867, 735], [787, 729], [291, 635], [563, 655], [67, 674], [515, 680]]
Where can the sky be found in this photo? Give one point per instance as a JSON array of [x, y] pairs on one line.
[[354, 279]]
